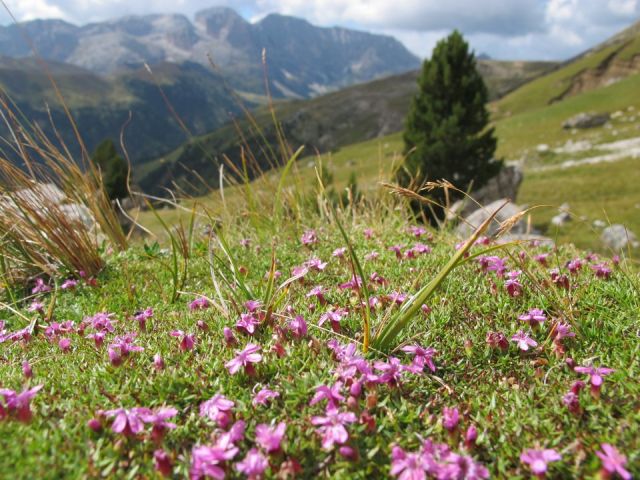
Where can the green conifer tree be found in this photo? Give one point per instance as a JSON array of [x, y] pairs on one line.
[[114, 169], [447, 135]]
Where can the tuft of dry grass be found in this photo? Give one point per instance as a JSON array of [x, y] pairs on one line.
[[54, 211]]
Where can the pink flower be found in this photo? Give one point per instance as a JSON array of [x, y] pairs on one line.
[[319, 293], [613, 462], [219, 409], [229, 338], [129, 422], [298, 327], [513, 285], [595, 376], [493, 264], [18, 405], [541, 258], [497, 340], [245, 358], [187, 340], [470, 436], [397, 249], [572, 401], [162, 463], [417, 231], [36, 306], [26, 369], [253, 465], [339, 252], [368, 233], [142, 317], [121, 347], [98, 338], [601, 270], [408, 466], [208, 462], [450, 418], [462, 467], [538, 460], [534, 317], [263, 396], [333, 316], [40, 287], [392, 371], [159, 421], [574, 265], [158, 362], [332, 427], [199, 303], [524, 341], [69, 284], [270, 438], [421, 354], [316, 264], [309, 237], [354, 284], [64, 344], [371, 256], [331, 394], [397, 298]]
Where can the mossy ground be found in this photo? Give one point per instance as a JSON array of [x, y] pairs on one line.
[[513, 398]]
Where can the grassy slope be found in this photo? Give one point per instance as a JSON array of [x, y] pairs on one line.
[[547, 89], [513, 398], [327, 122]]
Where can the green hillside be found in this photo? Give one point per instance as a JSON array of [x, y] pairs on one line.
[[324, 123], [101, 105], [616, 58]]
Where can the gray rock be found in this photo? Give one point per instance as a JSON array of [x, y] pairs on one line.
[[542, 148], [586, 120], [503, 185], [532, 238], [473, 221], [562, 217], [617, 237]]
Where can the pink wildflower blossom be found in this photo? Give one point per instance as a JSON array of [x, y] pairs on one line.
[[208, 462], [263, 396], [613, 462], [269, 438], [538, 460], [245, 358], [534, 317], [162, 463], [18, 405], [331, 394], [247, 323], [523, 341], [596, 375], [219, 409], [339, 252], [309, 237], [253, 465], [332, 427], [187, 340], [40, 287], [298, 327], [199, 303], [129, 422]]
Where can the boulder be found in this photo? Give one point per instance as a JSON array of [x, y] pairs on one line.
[[503, 185], [586, 120], [617, 237], [562, 217], [473, 221]]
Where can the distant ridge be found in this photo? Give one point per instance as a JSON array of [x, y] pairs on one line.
[[303, 60]]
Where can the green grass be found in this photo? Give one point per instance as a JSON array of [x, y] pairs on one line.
[[521, 133], [605, 191], [513, 399]]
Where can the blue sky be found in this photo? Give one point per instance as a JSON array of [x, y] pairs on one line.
[[505, 29]]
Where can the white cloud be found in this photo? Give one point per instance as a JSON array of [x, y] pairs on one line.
[[524, 29]]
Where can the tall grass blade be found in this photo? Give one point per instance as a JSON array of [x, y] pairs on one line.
[[385, 338]]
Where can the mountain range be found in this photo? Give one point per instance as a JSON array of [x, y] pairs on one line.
[[303, 60], [101, 70]]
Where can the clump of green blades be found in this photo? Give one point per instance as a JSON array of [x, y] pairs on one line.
[[386, 336]]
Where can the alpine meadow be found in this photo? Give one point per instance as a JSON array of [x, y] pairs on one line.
[[329, 239]]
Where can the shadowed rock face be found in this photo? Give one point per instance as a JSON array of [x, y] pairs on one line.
[[303, 60]]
